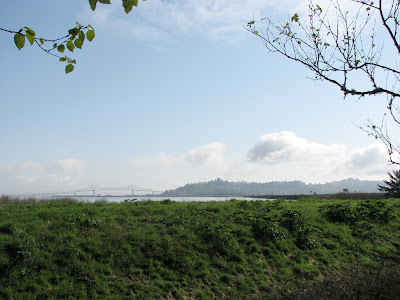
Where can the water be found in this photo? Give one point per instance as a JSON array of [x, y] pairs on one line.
[[144, 198]]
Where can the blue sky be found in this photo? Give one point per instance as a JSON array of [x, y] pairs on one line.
[[172, 93]]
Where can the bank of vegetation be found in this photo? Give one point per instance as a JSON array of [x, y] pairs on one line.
[[337, 196], [303, 249]]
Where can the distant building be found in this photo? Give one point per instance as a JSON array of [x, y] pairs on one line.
[[345, 190]]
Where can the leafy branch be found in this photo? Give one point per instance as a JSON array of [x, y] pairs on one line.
[[74, 39]]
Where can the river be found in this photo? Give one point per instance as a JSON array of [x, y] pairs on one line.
[[156, 198]]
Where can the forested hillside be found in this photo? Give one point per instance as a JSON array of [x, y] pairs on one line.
[[221, 187]]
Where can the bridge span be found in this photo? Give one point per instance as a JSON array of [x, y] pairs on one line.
[[94, 189]]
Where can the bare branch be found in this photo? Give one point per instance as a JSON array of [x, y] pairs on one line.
[[338, 50]]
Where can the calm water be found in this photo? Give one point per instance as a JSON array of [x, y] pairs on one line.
[[140, 198]]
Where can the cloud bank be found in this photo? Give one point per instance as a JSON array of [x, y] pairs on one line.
[[272, 157], [276, 156]]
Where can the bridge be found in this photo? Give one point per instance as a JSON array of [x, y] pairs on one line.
[[93, 189]]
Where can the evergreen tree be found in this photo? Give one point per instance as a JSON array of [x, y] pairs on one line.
[[393, 189]]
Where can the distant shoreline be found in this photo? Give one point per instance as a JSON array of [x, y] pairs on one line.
[[361, 196]]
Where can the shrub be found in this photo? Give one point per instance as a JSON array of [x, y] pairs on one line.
[[294, 221], [376, 210], [341, 212], [267, 229], [218, 235], [366, 210]]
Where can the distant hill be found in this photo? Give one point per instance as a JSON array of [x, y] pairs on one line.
[[219, 187]]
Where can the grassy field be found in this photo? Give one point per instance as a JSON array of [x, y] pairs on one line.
[[303, 249]]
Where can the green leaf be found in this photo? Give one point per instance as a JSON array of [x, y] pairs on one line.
[[78, 43], [69, 68], [93, 4], [73, 32], [41, 41], [90, 35], [105, 1], [30, 34], [55, 45], [19, 40], [28, 29], [81, 36], [70, 46], [63, 59], [61, 48], [128, 4]]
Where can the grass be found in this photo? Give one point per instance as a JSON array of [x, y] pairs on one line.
[[301, 249]]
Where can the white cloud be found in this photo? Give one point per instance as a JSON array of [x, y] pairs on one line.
[[27, 180], [72, 165], [36, 177], [215, 19], [208, 156], [289, 157], [285, 146], [371, 157]]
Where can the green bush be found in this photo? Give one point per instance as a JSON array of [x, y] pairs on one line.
[[267, 229], [373, 210], [341, 212], [303, 232]]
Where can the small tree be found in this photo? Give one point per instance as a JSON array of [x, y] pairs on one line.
[[341, 48], [393, 185]]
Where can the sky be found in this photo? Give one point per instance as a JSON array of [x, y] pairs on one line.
[[175, 92]]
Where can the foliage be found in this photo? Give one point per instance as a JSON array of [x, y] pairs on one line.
[[341, 49], [197, 250], [393, 185], [126, 4], [341, 212], [294, 221], [376, 210], [74, 39]]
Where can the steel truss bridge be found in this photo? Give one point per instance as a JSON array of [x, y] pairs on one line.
[[94, 189]]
